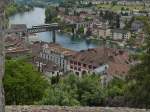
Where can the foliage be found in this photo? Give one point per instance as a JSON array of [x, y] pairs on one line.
[[139, 79], [137, 94], [51, 14], [22, 83], [74, 91], [116, 87], [129, 23], [81, 30], [117, 7], [13, 8]]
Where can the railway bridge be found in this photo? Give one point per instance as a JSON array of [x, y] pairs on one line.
[[22, 28]]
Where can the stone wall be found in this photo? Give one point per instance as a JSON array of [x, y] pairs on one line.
[[70, 109]]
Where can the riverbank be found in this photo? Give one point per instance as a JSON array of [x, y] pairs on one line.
[[14, 8]]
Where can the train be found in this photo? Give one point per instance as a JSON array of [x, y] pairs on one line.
[[45, 25]]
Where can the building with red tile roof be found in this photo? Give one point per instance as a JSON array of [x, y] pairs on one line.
[[105, 60]]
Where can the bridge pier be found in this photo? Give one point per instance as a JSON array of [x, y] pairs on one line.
[[54, 36], [73, 31]]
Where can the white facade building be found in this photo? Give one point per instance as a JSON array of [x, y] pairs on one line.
[[56, 54], [119, 34]]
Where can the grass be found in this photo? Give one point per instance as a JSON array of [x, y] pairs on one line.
[[116, 8]]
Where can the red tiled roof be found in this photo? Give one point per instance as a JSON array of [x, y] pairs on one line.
[[117, 60]]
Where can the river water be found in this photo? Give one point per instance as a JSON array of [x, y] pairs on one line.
[[37, 17]]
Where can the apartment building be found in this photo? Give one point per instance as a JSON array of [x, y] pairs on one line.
[[101, 61], [120, 34], [56, 54]]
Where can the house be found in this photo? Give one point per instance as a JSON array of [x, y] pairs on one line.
[[137, 26], [100, 61], [102, 30], [47, 67], [15, 46], [18, 29], [120, 34]]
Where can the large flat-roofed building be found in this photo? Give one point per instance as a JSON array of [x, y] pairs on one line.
[[120, 34], [56, 54]]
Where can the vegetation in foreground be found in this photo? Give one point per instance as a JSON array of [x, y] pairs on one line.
[[22, 83]]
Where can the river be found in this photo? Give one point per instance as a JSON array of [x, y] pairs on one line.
[[37, 17]]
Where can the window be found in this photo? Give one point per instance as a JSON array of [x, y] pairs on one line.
[[79, 69], [75, 63], [90, 66], [79, 63], [84, 65], [71, 62], [94, 67], [71, 67]]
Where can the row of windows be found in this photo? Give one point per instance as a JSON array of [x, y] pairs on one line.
[[58, 60], [51, 52], [82, 65]]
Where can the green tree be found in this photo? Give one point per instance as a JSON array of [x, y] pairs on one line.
[[50, 13], [14, 8], [72, 90], [62, 93], [115, 92], [139, 79], [90, 91], [138, 93], [81, 30], [22, 83]]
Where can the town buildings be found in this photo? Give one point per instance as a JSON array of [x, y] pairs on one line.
[[102, 29], [47, 67], [137, 26], [96, 25], [56, 53], [55, 60], [15, 46], [119, 34], [101, 61]]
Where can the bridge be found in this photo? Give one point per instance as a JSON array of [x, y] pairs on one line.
[[22, 28]]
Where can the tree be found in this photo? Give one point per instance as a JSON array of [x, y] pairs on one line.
[[50, 13], [81, 30], [22, 83], [139, 78], [62, 93], [14, 8], [114, 3], [115, 92], [139, 81], [90, 91], [72, 90], [117, 21]]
